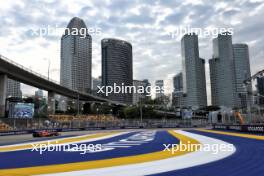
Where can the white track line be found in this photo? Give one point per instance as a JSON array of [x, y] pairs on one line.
[[180, 162]]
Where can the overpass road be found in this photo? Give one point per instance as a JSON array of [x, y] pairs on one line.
[[12, 70]]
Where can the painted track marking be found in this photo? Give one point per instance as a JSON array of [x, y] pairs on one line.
[[163, 165], [101, 163]]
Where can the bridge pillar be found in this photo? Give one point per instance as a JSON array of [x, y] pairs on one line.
[[3, 87], [51, 102]]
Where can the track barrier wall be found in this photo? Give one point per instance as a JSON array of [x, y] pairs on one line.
[[241, 128]]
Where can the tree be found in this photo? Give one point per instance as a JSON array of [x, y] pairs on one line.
[[211, 108]]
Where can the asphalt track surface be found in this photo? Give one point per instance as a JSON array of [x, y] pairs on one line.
[[128, 154], [248, 160], [13, 139], [54, 157]]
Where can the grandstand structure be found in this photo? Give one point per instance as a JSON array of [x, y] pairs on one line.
[[5, 127]]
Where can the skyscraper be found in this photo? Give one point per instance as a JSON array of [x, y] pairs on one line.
[[177, 82], [97, 82], [222, 72], [159, 92], [177, 94], [39, 93], [147, 87], [76, 57], [193, 74], [13, 89], [242, 72], [117, 67], [137, 97]]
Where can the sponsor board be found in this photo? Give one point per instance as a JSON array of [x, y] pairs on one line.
[[241, 128]]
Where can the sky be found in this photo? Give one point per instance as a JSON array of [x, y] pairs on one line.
[[146, 24]]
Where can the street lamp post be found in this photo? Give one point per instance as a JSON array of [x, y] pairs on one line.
[[78, 104], [141, 115], [97, 110], [49, 71], [97, 119], [48, 67], [259, 107]]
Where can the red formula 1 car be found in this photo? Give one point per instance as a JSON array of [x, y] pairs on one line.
[[45, 133]]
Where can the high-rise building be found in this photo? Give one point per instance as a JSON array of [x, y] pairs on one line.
[[160, 91], [177, 94], [117, 67], [222, 72], [242, 72], [39, 102], [97, 82], [13, 89], [76, 57], [260, 88], [39, 93], [177, 82], [147, 88], [138, 95], [193, 72]]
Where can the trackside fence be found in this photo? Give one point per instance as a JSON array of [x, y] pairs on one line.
[[23, 126]]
